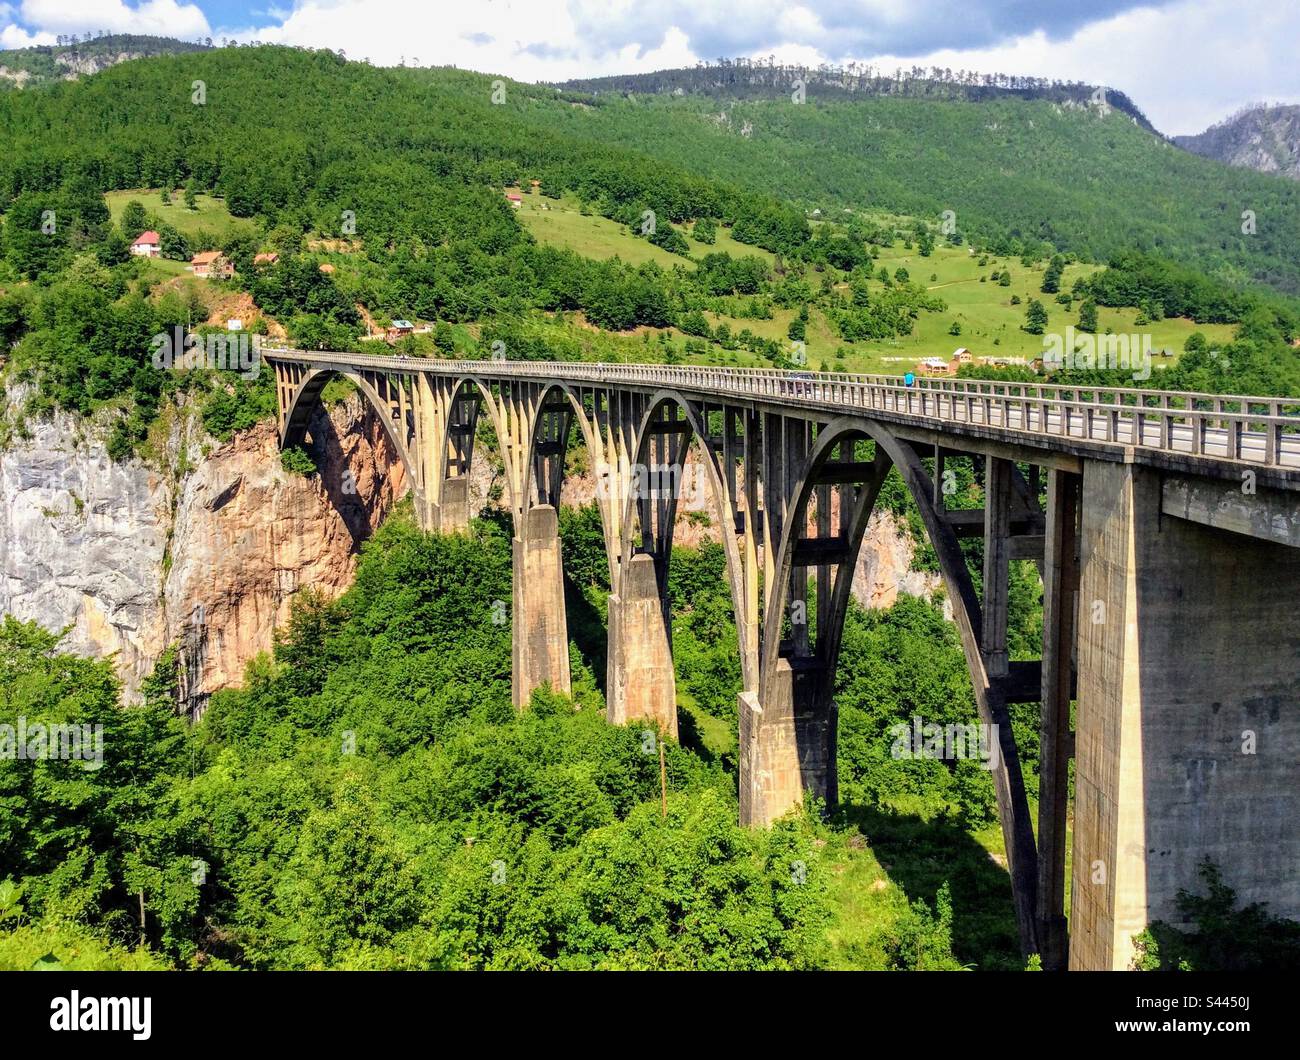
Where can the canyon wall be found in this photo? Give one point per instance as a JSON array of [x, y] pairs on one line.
[[131, 559]]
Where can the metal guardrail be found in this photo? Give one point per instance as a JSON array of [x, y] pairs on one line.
[[1253, 430]]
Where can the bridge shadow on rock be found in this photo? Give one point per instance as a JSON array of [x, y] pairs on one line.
[[920, 856], [325, 446]]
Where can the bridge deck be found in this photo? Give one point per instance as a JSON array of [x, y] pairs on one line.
[[1221, 433]]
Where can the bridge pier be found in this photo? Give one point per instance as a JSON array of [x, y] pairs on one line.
[[787, 745], [640, 682], [539, 634], [1188, 720], [453, 509]]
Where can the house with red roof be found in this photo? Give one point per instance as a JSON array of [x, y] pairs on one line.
[[148, 245]]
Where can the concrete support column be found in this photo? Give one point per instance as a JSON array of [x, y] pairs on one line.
[[453, 512], [1060, 583], [426, 512], [540, 633], [1188, 715], [640, 681], [997, 557], [787, 745]]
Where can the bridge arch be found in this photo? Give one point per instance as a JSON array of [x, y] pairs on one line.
[[306, 400], [805, 679]]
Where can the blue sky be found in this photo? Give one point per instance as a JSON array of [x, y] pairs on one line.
[[1187, 63]]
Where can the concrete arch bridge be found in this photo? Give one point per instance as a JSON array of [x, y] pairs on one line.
[[1169, 546]]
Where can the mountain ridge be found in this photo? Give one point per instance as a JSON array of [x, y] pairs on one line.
[[1263, 137], [754, 79], [50, 63]]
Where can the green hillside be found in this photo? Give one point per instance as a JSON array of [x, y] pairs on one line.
[[1035, 169], [990, 321]]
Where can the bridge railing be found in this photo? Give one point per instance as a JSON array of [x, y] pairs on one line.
[[1263, 430]]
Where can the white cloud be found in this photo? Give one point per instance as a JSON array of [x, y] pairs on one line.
[[158, 17], [529, 41], [13, 36], [1186, 66]]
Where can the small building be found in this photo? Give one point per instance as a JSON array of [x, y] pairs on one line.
[[268, 258], [933, 366], [514, 197], [536, 185], [326, 268], [148, 245], [212, 265], [400, 329]]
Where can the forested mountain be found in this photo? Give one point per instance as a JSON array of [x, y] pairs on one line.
[[745, 78], [1085, 178], [1262, 138], [406, 168], [74, 56]]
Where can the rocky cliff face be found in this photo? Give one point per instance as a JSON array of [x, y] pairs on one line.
[[42, 64], [131, 559], [1262, 138]]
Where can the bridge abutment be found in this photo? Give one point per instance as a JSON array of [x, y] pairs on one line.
[[1188, 716], [539, 635], [640, 683]]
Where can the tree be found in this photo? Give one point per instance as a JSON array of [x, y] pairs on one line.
[[171, 244], [1052, 276], [134, 220], [694, 323], [1035, 317], [114, 250], [191, 200], [166, 197], [1088, 316]]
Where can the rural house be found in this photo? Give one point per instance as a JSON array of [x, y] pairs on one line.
[[148, 245], [211, 264]]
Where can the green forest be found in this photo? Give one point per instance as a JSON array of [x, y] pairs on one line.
[[370, 798]]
